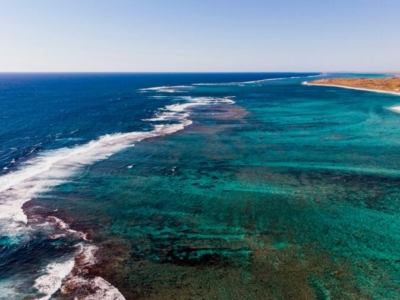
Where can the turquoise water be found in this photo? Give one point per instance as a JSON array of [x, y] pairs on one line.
[[290, 192]]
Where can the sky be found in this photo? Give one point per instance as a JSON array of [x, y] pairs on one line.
[[199, 35]]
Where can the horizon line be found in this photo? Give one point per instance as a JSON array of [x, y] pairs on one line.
[[193, 72]]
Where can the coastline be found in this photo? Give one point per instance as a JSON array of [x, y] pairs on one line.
[[351, 88], [395, 109]]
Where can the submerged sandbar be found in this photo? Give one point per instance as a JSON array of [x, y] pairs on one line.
[[385, 85]]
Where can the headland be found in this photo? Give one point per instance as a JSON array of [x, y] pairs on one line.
[[384, 85]]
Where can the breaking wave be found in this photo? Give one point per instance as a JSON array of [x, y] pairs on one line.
[[52, 168]]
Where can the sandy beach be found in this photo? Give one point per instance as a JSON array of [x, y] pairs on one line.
[[351, 88], [382, 86]]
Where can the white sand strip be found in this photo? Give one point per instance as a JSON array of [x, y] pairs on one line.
[[352, 88], [395, 109]]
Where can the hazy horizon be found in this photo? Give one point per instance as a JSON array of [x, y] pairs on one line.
[[196, 72]]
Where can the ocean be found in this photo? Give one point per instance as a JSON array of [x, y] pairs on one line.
[[197, 186]]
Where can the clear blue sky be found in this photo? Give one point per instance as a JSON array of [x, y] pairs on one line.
[[199, 35]]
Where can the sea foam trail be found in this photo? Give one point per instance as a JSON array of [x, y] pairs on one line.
[[168, 89], [49, 170], [66, 276], [55, 167], [242, 83], [51, 281], [171, 112]]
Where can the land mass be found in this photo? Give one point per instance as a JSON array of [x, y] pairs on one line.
[[386, 85]]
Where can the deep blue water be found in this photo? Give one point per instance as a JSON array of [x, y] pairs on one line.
[[48, 111], [238, 186]]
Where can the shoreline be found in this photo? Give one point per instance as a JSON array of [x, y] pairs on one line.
[[351, 88], [395, 109]]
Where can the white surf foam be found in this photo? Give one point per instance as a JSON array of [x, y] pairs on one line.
[[103, 290], [54, 274], [100, 289], [51, 281], [8, 287], [180, 111], [57, 225], [86, 256], [244, 83], [52, 168], [95, 288], [168, 89]]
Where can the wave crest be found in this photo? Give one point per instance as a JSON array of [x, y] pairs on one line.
[[52, 168]]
